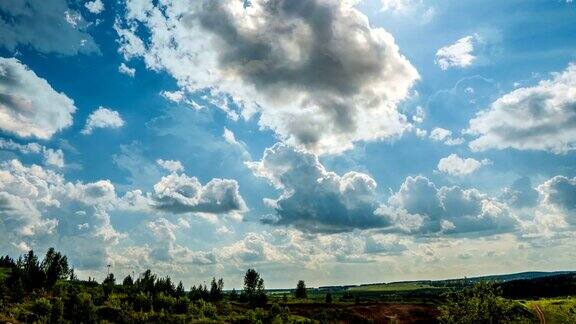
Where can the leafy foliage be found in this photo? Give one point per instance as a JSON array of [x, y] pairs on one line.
[[480, 304], [300, 291]]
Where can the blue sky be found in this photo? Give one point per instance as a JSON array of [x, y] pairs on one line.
[[333, 141]]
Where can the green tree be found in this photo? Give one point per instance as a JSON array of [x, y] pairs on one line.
[[254, 289], [55, 267], [180, 290], [233, 295], [108, 285], [146, 282], [328, 298], [216, 289], [127, 281], [33, 275], [300, 290]]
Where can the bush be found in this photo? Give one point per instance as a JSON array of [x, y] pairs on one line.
[[164, 302], [57, 311], [480, 304], [82, 309], [328, 298], [207, 310], [42, 307], [182, 305], [142, 302]]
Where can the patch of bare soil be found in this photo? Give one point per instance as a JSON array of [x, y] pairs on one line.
[[368, 312]]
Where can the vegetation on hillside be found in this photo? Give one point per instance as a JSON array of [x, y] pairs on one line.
[[48, 291]]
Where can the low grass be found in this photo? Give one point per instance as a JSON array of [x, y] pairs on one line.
[[556, 310]]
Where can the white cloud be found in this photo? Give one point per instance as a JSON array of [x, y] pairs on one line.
[[29, 106], [324, 90], [419, 116], [558, 196], [102, 118], [178, 193], [444, 135], [457, 166], [95, 6], [124, 69], [41, 209], [54, 158], [542, 117], [457, 55], [174, 96], [314, 199], [171, 165], [410, 8], [449, 209], [47, 26]]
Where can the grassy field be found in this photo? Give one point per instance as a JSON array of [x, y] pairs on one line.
[[556, 310], [395, 286]]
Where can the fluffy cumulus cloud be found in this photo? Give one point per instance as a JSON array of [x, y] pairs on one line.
[[457, 55], [558, 195], [171, 165], [102, 118], [521, 194], [316, 72], [39, 208], [29, 106], [165, 248], [95, 6], [179, 193], [124, 69], [457, 166], [47, 26], [52, 157], [448, 209], [542, 117], [439, 134], [314, 199]]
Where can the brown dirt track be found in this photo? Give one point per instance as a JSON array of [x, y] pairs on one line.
[[372, 312]]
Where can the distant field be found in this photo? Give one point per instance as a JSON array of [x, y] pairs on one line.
[[394, 286]]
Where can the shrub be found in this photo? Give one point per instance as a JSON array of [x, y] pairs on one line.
[[57, 311], [480, 304], [207, 310], [142, 302], [42, 307], [164, 302], [182, 305]]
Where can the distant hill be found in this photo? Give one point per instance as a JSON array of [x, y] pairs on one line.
[[520, 276], [425, 284]]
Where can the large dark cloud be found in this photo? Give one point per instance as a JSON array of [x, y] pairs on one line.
[[314, 199], [521, 194], [559, 194], [316, 70]]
